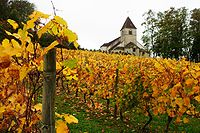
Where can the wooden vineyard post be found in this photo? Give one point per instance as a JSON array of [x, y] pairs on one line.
[[115, 91], [48, 96]]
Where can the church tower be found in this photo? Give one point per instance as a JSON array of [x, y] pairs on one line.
[[128, 32]]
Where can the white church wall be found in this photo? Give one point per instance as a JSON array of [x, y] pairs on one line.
[[103, 48], [128, 50], [128, 35]]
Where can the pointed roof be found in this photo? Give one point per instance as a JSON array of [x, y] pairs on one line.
[[109, 43], [128, 24]]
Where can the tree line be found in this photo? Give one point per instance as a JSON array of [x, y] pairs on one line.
[[173, 33], [17, 10]]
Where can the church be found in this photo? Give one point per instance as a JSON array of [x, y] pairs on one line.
[[127, 43]]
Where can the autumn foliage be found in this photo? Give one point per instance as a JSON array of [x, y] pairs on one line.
[[21, 76], [125, 82], [157, 86]]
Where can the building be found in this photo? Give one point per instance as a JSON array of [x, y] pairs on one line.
[[127, 42]]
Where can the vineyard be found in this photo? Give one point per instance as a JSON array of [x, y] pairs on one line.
[[124, 83], [120, 85]]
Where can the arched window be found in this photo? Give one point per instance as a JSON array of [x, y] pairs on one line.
[[130, 32]]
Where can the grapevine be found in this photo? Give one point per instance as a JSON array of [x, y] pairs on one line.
[[157, 86], [21, 76]]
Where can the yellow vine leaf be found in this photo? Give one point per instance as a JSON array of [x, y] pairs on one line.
[[189, 82], [71, 36], [30, 48], [11, 125], [42, 15], [173, 92], [155, 111], [185, 120], [61, 127], [179, 101], [155, 92], [2, 109], [76, 44], [158, 66], [178, 120], [52, 45], [22, 35], [197, 68], [38, 107], [8, 33], [186, 73], [12, 98], [196, 89], [197, 75], [13, 23], [145, 94], [38, 14], [197, 98], [6, 44], [55, 30], [16, 35], [23, 72], [44, 29], [60, 21], [23, 109], [170, 113], [58, 115], [18, 107], [22, 122], [186, 101], [178, 86], [8, 49], [16, 44], [70, 118], [30, 24], [40, 66], [71, 77], [58, 66]]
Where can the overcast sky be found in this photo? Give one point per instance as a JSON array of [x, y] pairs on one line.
[[99, 21]]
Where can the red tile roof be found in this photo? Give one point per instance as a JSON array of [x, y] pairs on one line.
[[128, 24]]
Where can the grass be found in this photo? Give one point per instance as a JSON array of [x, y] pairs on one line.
[[89, 121], [96, 121]]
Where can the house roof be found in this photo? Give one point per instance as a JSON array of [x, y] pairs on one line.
[[109, 43], [113, 47], [105, 45], [119, 48], [128, 24], [130, 45], [140, 45]]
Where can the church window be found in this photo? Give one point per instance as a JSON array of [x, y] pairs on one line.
[[130, 32], [134, 49]]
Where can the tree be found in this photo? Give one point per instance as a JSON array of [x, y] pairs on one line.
[[173, 30], [17, 10], [195, 34], [150, 29], [20, 10], [4, 4], [168, 33]]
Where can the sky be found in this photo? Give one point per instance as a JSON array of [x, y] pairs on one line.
[[99, 21]]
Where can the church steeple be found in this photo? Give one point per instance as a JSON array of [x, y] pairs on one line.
[[128, 24], [128, 32]]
